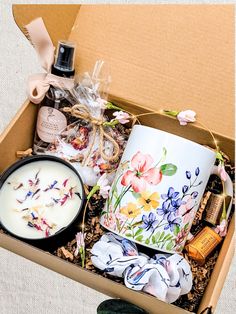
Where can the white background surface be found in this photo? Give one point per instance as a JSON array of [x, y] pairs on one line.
[[24, 286]]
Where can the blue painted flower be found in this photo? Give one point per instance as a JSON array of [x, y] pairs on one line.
[[185, 188], [176, 203], [171, 203], [165, 209], [188, 174], [197, 171], [194, 194], [171, 194], [172, 222], [149, 222]]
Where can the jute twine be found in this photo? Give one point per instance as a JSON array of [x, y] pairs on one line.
[[82, 112]]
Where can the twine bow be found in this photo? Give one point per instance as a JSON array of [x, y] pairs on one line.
[[82, 112], [38, 84]]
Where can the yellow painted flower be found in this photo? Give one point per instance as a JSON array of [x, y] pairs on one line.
[[130, 211], [149, 200]]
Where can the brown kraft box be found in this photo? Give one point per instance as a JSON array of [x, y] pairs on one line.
[[160, 56]]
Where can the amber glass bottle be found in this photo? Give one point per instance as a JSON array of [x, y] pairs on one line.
[[51, 119]]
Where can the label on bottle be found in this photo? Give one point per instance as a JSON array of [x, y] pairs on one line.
[[50, 123], [203, 244]]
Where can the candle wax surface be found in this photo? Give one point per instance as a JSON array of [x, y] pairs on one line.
[[40, 198]]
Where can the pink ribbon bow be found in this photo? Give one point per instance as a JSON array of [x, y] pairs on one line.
[[38, 84]]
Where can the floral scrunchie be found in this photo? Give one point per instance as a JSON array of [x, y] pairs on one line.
[[165, 276]]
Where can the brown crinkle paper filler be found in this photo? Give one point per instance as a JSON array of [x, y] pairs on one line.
[[201, 274], [93, 229], [24, 153], [67, 254]]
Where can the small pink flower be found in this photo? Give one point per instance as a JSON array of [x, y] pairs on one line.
[[221, 229], [142, 173], [82, 139], [104, 186], [121, 116], [186, 116], [101, 102], [80, 236], [186, 209], [222, 172]]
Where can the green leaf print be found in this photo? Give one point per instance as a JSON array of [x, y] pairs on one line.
[[138, 232], [176, 230], [139, 238], [168, 169], [170, 245]]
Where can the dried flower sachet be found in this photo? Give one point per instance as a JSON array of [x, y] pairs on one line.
[[93, 143]]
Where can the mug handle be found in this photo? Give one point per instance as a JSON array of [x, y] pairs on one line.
[[228, 188], [228, 191]]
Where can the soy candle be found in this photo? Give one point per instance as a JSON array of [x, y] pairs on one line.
[[40, 196]]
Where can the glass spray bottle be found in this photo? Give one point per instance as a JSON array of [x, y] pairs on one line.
[[51, 119]]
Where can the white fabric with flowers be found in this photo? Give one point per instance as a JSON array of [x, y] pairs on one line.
[[165, 276]]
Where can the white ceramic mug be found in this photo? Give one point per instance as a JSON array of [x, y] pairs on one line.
[[157, 189]]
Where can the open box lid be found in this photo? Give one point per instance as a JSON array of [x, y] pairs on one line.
[[144, 48], [160, 56]]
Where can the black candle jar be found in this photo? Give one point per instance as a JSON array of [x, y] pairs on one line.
[[34, 191]]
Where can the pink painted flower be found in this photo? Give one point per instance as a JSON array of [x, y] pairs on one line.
[[222, 172], [104, 186], [186, 210], [142, 173], [114, 221], [186, 116], [121, 116], [221, 229], [181, 236], [80, 236], [110, 222]]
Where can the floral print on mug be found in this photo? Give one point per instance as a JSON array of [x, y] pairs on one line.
[[153, 219]]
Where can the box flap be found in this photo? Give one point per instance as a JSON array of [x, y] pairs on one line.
[[164, 56], [54, 17], [160, 56]]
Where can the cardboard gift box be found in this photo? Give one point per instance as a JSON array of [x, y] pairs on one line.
[[160, 56]]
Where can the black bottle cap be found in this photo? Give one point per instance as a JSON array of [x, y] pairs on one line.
[[64, 61]]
